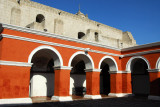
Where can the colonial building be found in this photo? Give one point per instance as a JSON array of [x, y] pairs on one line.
[[49, 52]]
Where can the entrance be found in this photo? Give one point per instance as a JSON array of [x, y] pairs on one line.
[[140, 78], [105, 80]]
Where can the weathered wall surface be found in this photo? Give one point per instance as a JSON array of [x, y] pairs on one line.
[[25, 14]]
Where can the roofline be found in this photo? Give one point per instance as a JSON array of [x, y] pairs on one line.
[[47, 34], [141, 46]]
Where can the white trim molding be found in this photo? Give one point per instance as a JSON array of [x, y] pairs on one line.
[[141, 46], [119, 72], [93, 70], [86, 58], [93, 96], [111, 58], [14, 101], [153, 70], [158, 64], [120, 94], [60, 61], [56, 44], [62, 98], [15, 63], [151, 97], [128, 65], [46, 34], [62, 67], [141, 53]]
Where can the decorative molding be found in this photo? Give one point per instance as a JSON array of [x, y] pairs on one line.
[[93, 96], [85, 57], [141, 46], [59, 60], [62, 67], [153, 70], [128, 65], [150, 97], [120, 94], [119, 72], [140, 53], [93, 70], [46, 34], [15, 101], [14, 63], [56, 44], [109, 57], [158, 64], [59, 98]]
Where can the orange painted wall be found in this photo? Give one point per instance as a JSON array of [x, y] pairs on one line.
[[62, 82], [116, 83], [14, 85], [126, 83], [155, 83], [14, 81], [93, 83]]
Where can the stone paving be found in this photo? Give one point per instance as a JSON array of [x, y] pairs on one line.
[[105, 102]]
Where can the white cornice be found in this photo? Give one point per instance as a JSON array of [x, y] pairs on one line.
[[62, 67], [93, 70], [14, 63], [140, 53], [56, 44], [46, 34], [119, 72], [141, 46], [153, 70]]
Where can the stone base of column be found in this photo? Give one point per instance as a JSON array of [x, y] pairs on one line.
[[61, 98], [120, 94], [93, 96], [150, 97], [15, 101]]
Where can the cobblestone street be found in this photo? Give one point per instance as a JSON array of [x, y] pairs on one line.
[[107, 102]]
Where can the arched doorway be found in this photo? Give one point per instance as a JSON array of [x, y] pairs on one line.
[[79, 61], [44, 58], [107, 64], [140, 77]]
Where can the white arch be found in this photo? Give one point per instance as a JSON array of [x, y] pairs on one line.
[[46, 47], [108, 57], [158, 64], [128, 66], [88, 66]]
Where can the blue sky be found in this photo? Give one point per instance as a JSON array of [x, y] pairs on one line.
[[140, 17]]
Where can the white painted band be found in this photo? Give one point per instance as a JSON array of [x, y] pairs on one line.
[[62, 67], [93, 70], [60, 98], [55, 44], [93, 96], [14, 63], [120, 94], [153, 70], [16, 101]]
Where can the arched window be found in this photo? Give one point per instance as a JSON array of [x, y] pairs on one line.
[[96, 37], [81, 35], [40, 18]]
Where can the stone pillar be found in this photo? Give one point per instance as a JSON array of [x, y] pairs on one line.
[[120, 84], [62, 83], [154, 75], [14, 85], [93, 83]]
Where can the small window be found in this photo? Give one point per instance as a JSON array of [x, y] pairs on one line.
[[96, 37], [40, 18], [81, 35]]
